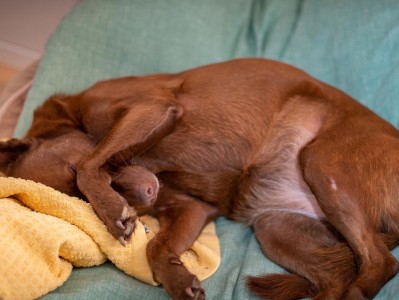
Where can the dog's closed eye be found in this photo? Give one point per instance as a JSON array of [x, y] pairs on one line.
[[72, 168]]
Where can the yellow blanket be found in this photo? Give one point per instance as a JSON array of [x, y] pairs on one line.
[[43, 233]]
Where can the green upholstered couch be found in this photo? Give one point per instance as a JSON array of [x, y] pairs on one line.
[[352, 44]]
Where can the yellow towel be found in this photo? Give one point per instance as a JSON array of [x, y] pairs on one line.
[[44, 232]]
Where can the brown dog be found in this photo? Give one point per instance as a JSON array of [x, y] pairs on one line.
[[258, 141]]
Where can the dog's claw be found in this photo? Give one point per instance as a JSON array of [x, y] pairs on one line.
[[175, 261], [120, 225], [189, 292], [122, 241]]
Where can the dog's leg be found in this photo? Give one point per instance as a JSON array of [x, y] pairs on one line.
[[308, 247], [182, 219], [353, 191], [137, 130]]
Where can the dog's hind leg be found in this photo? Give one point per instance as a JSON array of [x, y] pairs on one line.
[[322, 264], [182, 219], [355, 184], [144, 124]]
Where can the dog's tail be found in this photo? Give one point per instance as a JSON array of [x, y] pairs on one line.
[[338, 261], [281, 287]]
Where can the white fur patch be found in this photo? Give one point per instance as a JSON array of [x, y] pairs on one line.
[[276, 183], [333, 184]]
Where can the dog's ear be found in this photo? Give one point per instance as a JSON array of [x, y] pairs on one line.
[[11, 150]]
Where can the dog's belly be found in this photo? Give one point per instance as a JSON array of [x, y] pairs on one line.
[[273, 180], [244, 194], [282, 191]]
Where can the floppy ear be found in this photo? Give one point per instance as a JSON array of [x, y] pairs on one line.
[[11, 150]]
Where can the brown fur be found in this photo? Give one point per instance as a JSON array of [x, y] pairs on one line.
[[281, 287], [314, 172]]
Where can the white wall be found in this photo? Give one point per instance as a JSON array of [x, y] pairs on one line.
[[25, 26]]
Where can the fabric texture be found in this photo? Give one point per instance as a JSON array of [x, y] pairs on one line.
[[352, 45], [44, 232], [13, 97]]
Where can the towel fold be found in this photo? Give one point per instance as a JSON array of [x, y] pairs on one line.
[[43, 233]]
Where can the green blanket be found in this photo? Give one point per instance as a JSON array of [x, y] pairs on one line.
[[351, 44]]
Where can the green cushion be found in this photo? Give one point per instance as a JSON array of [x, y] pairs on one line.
[[350, 44], [104, 39]]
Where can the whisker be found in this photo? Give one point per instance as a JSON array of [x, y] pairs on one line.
[[119, 175], [123, 160], [113, 172]]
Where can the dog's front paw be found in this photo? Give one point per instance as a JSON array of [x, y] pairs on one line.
[[120, 219], [126, 224], [175, 278]]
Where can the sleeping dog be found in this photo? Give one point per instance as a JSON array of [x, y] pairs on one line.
[[254, 140]]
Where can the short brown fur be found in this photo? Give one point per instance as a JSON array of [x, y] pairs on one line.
[[315, 173]]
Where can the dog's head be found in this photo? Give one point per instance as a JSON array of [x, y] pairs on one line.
[[53, 162]]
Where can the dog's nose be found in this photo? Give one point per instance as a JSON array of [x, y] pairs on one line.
[[150, 191], [147, 193]]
